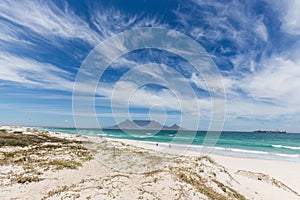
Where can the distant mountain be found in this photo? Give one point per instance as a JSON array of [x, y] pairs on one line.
[[175, 127], [143, 125]]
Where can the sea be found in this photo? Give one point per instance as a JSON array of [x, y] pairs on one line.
[[269, 146]]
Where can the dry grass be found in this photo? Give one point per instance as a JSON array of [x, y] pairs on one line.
[[19, 139], [201, 185], [39, 152], [61, 190], [266, 178], [26, 179], [157, 171], [202, 174]]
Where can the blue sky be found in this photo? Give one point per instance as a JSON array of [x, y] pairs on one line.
[[255, 45]]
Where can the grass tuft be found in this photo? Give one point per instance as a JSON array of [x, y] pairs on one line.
[[43, 152], [13, 142]]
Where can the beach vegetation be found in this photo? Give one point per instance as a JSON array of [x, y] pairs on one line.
[[229, 190], [206, 185], [60, 190], [157, 171], [26, 178], [266, 178], [209, 159], [19, 139], [200, 184], [13, 142], [64, 164], [38, 152], [119, 175]]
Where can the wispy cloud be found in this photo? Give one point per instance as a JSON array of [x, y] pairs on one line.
[[291, 17], [234, 33], [277, 81], [9, 33], [47, 20], [108, 24], [31, 73], [269, 93]]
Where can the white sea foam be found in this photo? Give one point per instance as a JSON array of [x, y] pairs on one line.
[[257, 154], [246, 153], [288, 155], [224, 149], [241, 150], [286, 147]]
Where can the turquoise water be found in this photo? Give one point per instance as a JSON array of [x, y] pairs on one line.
[[275, 146]]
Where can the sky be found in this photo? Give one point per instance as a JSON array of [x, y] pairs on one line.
[[254, 45]]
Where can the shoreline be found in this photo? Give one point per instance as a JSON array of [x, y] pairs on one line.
[[270, 151], [216, 150]]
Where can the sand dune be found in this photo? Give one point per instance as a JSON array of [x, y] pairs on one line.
[[120, 169]]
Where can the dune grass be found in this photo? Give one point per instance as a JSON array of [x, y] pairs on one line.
[[39, 152]]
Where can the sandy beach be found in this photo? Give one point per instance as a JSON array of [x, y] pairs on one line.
[[250, 185], [122, 169], [254, 176]]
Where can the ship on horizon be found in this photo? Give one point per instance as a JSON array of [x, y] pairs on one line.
[[269, 131]]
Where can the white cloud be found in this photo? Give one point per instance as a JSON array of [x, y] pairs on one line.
[[232, 30], [10, 33], [291, 19], [111, 21], [261, 29], [47, 20], [278, 81], [31, 73], [268, 93]]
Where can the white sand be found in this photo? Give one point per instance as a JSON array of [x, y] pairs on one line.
[[283, 171], [286, 172]]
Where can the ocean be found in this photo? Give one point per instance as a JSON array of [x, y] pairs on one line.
[[271, 146]]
